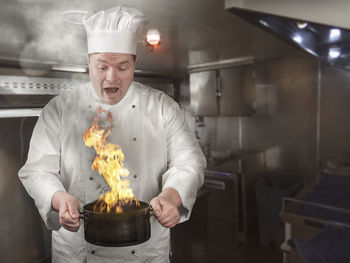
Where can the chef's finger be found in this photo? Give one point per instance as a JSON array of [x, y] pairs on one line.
[[69, 220], [168, 211], [164, 215], [169, 220], [68, 223], [71, 225], [65, 217], [72, 229], [156, 206], [169, 223], [73, 209]]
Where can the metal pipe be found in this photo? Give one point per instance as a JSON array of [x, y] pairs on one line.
[[19, 113], [221, 64], [70, 68]]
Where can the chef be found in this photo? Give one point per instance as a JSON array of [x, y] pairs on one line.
[[163, 157]]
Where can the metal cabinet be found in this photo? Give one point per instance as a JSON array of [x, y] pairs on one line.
[[236, 88], [203, 93]]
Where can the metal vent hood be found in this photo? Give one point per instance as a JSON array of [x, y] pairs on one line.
[[319, 27]]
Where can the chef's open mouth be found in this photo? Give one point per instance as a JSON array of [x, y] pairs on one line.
[[111, 91]]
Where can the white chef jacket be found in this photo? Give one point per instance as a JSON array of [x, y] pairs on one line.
[[160, 151]]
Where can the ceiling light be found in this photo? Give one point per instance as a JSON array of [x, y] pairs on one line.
[[298, 39], [301, 25], [153, 37], [263, 22], [334, 53], [334, 34]]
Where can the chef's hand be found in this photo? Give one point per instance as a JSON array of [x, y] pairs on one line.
[[67, 207], [165, 207]]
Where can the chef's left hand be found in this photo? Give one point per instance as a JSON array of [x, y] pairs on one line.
[[165, 207]]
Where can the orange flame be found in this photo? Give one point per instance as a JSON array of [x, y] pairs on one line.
[[109, 162]]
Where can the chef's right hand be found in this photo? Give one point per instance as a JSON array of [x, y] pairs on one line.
[[67, 206]]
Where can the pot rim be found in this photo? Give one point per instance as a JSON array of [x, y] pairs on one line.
[[147, 207]]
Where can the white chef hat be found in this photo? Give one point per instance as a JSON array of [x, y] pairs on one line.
[[113, 30]]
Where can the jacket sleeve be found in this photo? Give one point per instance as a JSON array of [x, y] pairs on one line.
[[40, 174], [185, 158]]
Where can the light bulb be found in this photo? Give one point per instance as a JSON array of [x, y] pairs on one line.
[[153, 37]]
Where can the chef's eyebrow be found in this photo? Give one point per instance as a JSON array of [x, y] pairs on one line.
[[101, 60], [107, 62]]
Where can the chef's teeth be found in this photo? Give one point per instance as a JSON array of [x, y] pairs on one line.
[[111, 90]]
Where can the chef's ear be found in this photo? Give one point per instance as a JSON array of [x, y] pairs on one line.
[[88, 58]]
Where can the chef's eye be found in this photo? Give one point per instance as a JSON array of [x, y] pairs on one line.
[[101, 67], [123, 68]]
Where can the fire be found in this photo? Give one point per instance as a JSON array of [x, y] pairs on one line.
[[109, 162]]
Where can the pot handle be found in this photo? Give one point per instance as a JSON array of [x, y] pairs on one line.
[[151, 211], [81, 213]]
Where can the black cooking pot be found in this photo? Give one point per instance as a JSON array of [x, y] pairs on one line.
[[131, 227]]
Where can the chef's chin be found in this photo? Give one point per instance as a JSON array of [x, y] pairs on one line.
[[111, 101], [111, 98]]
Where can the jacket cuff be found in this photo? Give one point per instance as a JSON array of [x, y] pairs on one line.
[[187, 200], [50, 216]]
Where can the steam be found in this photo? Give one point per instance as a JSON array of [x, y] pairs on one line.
[[54, 39], [57, 32], [48, 31], [11, 37]]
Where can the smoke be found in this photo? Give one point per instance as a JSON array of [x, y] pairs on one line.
[[12, 34], [57, 32], [53, 39], [48, 30], [11, 39]]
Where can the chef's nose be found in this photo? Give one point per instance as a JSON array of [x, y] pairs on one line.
[[112, 74]]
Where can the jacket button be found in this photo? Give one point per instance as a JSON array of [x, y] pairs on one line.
[[133, 106], [133, 252], [135, 176], [134, 139], [92, 251], [90, 178]]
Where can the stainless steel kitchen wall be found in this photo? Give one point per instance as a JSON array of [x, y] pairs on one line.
[[301, 119], [302, 114], [334, 114], [24, 237], [285, 126]]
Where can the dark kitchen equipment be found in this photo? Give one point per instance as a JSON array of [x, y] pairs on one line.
[[117, 230], [223, 213]]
